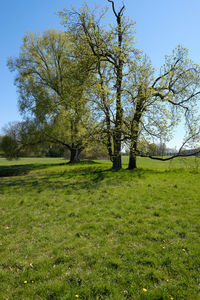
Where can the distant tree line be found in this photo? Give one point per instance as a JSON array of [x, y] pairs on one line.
[[88, 91], [8, 149]]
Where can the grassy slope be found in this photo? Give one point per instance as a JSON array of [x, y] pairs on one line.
[[87, 231]]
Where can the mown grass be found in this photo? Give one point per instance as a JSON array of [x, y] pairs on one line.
[[84, 231]]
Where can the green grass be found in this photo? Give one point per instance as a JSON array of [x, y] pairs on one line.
[[88, 231]]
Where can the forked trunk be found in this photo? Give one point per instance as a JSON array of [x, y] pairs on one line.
[[117, 161]]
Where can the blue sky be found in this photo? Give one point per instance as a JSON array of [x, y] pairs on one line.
[[161, 26]]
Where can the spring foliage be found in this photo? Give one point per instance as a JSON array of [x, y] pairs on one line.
[[91, 83]]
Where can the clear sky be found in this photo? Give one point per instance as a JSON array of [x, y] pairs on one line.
[[161, 26]]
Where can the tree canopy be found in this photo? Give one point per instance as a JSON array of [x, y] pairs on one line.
[[89, 83], [52, 83]]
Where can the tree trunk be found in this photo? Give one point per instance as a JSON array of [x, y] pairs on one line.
[[133, 151], [117, 161], [75, 155], [132, 161], [135, 131]]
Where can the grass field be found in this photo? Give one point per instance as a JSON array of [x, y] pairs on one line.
[[86, 232]]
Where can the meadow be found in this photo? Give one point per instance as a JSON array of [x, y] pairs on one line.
[[86, 232]]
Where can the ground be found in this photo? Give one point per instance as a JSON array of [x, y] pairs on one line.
[[85, 231]]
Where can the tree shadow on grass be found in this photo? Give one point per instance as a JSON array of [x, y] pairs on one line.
[[20, 170], [83, 176]]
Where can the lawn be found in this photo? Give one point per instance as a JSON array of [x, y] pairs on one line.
[[86, 232]]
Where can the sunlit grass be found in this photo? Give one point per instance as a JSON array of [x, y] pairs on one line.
[[86, 232]]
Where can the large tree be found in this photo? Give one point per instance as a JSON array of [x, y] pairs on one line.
[[90, 69], [52, 84], [135, 103], [158, 104], [112, 49]]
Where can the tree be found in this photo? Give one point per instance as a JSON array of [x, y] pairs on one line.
[[9, 147], [153, 149], [158, 104], [95, 151], [90, 81], [52, 84], [20, 139], [10, 140], [112, 50]]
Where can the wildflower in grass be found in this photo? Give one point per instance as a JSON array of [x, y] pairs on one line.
[[183, 250], [144, 290], [77, 296], [25, 281], [163, 247], [171, 298], [32, 281]]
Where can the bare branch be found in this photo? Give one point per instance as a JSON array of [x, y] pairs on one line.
[[166, 73], [113, 7], [170, 157], [120, 13]]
